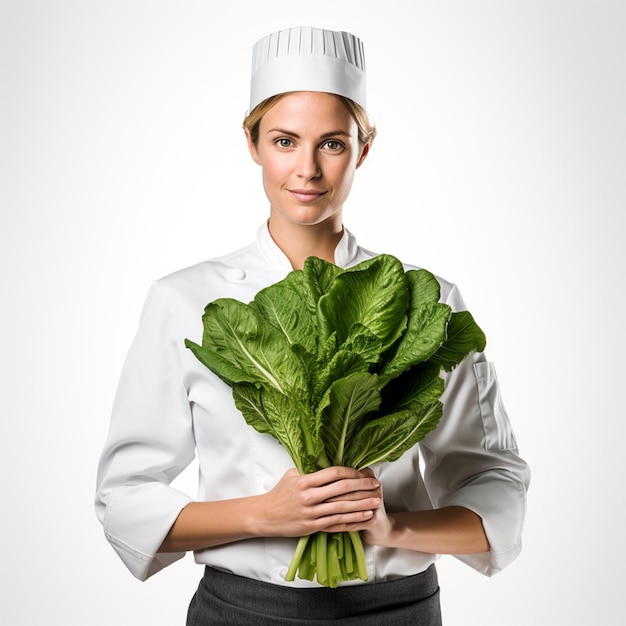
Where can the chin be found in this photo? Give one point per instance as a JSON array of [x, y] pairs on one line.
[[308, 217]]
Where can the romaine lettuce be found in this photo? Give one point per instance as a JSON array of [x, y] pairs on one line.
[[342, 367]]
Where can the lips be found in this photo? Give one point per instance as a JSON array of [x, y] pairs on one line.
[[306, 195]]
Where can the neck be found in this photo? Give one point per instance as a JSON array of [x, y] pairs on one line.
[[299, 241]]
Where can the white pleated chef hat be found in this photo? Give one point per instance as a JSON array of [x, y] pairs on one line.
[[308, 59]]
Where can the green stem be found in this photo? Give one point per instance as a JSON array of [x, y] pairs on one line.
[[297, 556], [322, 558], [306, 568], [348, 554], [334, 569], [330, 559], [342, 440], [359, 553], [323, 461]]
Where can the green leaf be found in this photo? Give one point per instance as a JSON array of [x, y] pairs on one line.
[[318, 277], [247, 399], [423, 287], [421, 385], [464, 338], [223, 367], [285, 306], [362, 341], [426, 331], [341, 364], [426, 326], [239, 346], [373, 293], [387, 438], [287, 418], [350, 399]]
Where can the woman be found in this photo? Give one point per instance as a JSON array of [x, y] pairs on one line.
[[308, 130]]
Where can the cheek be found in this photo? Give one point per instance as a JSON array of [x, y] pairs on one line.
[[270, 182], [344, 177], [274, 171]]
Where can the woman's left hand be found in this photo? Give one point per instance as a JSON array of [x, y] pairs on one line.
[[377, 531]]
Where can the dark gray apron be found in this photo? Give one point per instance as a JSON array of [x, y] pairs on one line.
[[227, 599]]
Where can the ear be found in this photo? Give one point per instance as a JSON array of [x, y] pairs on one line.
[[364, 152], [252, 148]]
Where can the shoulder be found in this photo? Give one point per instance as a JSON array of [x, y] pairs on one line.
[[213, 277], [217, 266], [240, 275]]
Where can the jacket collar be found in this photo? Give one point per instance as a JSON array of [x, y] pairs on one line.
[[345, 252]]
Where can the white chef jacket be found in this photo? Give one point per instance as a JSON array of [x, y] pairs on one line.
[[169, 407]]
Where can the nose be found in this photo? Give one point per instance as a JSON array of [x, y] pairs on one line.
[[308, 166]]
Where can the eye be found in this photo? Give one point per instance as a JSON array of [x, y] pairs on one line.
[[333, 145], [284, 142]]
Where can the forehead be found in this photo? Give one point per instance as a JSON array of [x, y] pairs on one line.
[[309, 111]]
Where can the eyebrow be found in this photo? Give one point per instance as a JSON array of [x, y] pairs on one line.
[[333, 133]]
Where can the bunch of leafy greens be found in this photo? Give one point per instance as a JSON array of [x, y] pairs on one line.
[[342, 367]]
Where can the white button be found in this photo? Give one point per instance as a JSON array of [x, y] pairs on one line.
[[235, 273]]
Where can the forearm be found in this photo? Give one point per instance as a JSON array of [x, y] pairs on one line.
[[450, 530], [333, 499], [208, 524]]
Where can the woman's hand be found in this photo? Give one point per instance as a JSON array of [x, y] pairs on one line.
[[334, 499], [378, 531]]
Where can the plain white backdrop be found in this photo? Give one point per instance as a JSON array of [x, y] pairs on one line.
[[500, 164]]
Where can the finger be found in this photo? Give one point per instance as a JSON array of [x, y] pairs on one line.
[[330, 475], [347, 491], [346, 507], [372, 488], [356, 495], [353, 522]]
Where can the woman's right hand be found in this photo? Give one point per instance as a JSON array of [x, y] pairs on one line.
[[334, 499]]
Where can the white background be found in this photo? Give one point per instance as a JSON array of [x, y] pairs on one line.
[[500, 164]]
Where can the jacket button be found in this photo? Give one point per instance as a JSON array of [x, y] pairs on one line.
[[235, 274]]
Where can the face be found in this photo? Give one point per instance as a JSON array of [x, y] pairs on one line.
[[308, 149]]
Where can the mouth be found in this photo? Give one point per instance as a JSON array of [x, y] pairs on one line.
[[306, 195]]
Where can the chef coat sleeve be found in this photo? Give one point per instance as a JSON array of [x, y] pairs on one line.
[[472, 461], [150, 442]]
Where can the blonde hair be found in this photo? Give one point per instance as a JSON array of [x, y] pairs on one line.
[[367, 131]]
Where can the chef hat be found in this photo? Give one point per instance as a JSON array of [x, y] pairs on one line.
[[308, 59]]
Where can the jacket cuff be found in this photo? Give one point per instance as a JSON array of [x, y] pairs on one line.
[[501, 507], [137, 521]]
